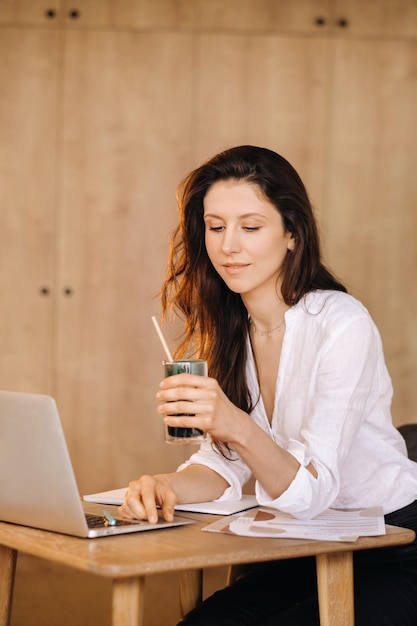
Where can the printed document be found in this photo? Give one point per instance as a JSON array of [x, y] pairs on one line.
[[331, 525]]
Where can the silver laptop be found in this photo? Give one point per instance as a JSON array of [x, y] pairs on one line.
[[37, 482]]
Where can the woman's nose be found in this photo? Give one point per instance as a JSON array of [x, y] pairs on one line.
[[231, 242]]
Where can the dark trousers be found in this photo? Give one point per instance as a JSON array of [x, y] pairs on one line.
[[284, 593]]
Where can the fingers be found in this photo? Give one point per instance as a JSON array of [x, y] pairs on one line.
[[142, 498], [184, 394], [185, 380], [149, 497], [167, 506], [184, 408], [132, 507]]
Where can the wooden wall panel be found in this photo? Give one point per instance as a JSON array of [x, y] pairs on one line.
[[262, 15], [28, 103], [126, 139], [378, 18], [268, 91], [370, 216], [143, 14], [33, 12]]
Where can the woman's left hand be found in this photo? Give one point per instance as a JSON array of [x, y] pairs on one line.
[[191, 401]]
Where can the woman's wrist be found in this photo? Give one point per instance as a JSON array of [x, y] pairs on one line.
[[244, 432]]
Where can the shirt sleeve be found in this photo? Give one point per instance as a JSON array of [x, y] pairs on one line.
[[232, 469], [349, 381]]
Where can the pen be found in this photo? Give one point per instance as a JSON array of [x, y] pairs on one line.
[[109, 520]]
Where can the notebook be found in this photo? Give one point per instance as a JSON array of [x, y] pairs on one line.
[[215, 507], [37, 482]]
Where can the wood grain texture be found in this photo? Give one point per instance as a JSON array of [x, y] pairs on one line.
[[30, 12], [128, 559], [181, 548], [8, 558], [369, 219], [335, 588], [125, 139], [28, 126], [190, 589], [128, 601], [268, 91]]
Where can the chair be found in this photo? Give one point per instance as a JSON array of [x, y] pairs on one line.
[[409, 432]]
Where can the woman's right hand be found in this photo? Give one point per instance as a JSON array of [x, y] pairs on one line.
[[143, 496]]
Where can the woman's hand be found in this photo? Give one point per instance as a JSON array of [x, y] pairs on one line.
[[195, 483], [191, 401], [211, 411], [143, 496]]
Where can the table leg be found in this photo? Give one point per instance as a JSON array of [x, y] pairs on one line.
[[8, 558], [128, 601], [335, 588], [191, 589]]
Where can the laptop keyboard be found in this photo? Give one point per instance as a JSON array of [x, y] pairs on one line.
[[99, 521]]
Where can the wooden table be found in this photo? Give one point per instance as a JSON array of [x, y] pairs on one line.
[[128, 559]]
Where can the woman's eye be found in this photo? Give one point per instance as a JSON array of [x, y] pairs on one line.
[[220, 228], [216, 229]]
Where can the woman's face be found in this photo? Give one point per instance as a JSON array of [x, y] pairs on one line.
[[245, 237]]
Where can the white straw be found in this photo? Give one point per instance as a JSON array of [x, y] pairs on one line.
[[162, 338]]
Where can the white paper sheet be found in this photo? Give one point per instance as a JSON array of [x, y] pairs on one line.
[[332, 525], [116, 496]]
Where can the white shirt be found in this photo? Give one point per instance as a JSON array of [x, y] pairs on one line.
[[332, 408]]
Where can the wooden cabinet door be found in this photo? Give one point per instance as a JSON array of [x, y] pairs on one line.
[[137, 14], [45, 13], [263, 16], [370, 217], [377, 18], [264, 90], [28, 169], [126, 145]]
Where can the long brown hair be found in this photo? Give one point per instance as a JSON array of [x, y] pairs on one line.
[[215, 318]]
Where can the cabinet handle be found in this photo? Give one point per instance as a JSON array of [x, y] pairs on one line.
[[44, 291], [74, 14], [343, 22], [50, 14], [320, 21], [67, 291]]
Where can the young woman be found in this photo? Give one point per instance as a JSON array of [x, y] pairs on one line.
[[298, 395]]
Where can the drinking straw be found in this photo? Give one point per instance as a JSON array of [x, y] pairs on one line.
[[162, 338]]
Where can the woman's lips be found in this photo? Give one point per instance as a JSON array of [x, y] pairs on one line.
[[235, 268]]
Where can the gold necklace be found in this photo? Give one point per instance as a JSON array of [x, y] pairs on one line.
[[267, 332]]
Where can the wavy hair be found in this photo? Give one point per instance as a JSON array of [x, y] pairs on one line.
[[215, 318]]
